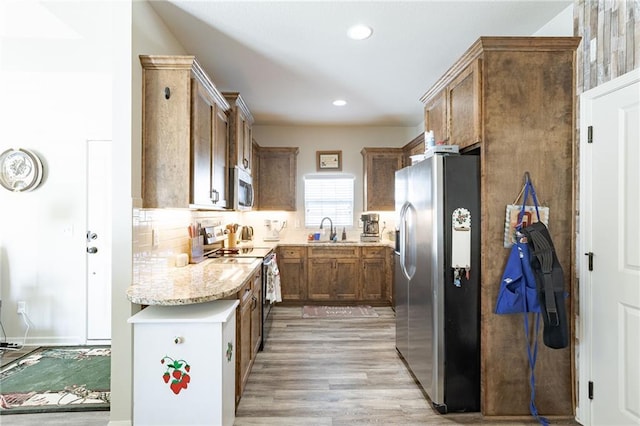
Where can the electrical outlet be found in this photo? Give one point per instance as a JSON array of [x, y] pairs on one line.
[[22, 308]]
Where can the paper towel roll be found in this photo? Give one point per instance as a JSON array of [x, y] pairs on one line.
[[182, 259]]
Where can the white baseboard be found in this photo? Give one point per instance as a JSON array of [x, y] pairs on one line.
[[120, 423]]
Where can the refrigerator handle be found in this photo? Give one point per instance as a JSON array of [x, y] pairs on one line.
[[407, 260]]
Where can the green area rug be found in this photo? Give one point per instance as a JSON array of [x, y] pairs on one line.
[[68, 378]]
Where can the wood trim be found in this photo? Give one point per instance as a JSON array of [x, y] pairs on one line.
[[485, 44], [237, 100], [184, 62]]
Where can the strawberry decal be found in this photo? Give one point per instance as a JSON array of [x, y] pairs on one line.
[[177, 373]]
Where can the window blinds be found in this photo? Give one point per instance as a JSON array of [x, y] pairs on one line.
[[328, 196]]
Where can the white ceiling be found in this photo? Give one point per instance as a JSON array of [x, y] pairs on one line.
[[291, 59]]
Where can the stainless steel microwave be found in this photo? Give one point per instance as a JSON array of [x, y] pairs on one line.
[[242, 189]]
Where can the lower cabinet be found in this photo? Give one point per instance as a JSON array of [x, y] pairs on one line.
[[335, 273], [248, 329], [185, 356], [374, 278], [293, 273]]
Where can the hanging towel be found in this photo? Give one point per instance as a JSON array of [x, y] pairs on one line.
[[273, 282]]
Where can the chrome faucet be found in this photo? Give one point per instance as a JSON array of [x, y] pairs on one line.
[[332, 232]]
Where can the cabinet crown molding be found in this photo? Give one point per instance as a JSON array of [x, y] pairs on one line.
[[185, 62], [487, 44], [234, 98]]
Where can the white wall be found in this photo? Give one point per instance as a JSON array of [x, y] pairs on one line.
[[309, 139], [561, 25], [55, 80]]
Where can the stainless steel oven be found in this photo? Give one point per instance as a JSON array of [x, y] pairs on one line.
[[233, 255]]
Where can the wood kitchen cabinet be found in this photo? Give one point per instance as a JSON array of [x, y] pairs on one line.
[[330, 273], [276, 189], [248, 329], [413, 147], [333, 273], [209, 135], [435, 118], [184, 135], [379, 166], [374, 274], [454, 112], [256, 315], [240, 134], [464, 106], [293, 273], [512, 101]]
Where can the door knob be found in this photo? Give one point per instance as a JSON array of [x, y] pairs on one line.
[[92, 250]]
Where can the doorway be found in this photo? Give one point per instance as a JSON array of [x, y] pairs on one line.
[[98, 236], [609, 347]]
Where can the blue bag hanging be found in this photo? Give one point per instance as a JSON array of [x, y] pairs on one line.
[[518, 294]]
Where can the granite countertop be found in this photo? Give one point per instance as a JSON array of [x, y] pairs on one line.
[[194, 283], [158, 284]]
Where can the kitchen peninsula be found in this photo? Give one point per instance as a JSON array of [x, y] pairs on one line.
[[167, 287], [195, 283]]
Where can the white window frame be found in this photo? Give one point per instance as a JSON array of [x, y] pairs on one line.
[[336, 201]]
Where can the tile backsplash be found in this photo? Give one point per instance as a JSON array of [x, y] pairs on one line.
[[159, 235]]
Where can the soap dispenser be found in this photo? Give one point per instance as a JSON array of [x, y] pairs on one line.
[[344, 234]]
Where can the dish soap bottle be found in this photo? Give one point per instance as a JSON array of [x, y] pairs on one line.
[[344, 234]]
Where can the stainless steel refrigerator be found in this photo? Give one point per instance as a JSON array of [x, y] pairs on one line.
[[437, 278]]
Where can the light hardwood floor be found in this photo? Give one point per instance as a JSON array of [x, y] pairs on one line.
[[325, 372]]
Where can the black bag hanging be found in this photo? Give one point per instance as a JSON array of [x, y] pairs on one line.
[[550, 283]]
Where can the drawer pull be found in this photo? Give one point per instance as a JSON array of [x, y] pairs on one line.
[[178, 340]]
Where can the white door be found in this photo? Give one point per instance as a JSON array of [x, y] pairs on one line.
[[98, 240], [609, 351]]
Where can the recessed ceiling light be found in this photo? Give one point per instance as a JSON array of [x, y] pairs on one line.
[[339, 102], [359, 32]]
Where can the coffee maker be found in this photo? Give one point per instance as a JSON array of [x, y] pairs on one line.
[[370, 227]]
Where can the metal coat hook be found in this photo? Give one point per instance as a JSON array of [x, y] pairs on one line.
[[527, 178]]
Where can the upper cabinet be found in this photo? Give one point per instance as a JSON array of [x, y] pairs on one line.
[[240, 139], [185, 134], [276, 181], [453, 111], [464, 107], [380, 165], [435, 118], [413, 147]]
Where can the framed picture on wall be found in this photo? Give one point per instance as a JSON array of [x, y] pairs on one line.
[[329, 160]]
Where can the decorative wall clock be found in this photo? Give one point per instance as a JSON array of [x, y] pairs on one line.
[[20, 170]]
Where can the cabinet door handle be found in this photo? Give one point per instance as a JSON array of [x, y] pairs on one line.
[[215, 196], [178, 340]]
